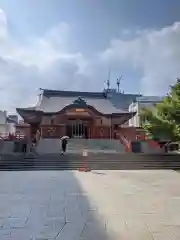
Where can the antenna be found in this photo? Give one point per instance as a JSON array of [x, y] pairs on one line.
[[118, 82], [108, 80], [41, 90]]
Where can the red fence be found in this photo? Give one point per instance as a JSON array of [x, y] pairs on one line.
[[11, 137]]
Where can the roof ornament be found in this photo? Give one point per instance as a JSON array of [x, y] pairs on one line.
[[41, 90], [80, 101]]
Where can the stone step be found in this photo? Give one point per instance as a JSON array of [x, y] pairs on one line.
[[92, 167], [95, 156], [95, 162]]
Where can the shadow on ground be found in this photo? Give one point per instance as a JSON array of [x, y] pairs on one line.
[[47, 205]]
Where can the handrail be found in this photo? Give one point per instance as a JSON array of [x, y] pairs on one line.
[[125, 142]]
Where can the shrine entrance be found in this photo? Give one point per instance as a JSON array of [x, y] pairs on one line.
[[76, 128]]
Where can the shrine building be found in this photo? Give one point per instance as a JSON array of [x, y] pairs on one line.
[[78, 114]]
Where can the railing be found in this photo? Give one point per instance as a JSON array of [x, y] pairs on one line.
[[151, 142]]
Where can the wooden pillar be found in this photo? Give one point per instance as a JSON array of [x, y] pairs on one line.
[[91, 129], [34, 127], [62, 130], [89, 132]]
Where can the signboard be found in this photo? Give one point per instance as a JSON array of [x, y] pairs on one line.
[[79, 109]]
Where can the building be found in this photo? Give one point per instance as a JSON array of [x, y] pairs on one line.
[[139, 104], [12, 119], [77, 114], [7, 125]]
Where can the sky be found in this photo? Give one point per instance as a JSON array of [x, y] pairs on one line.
[[72, 44]]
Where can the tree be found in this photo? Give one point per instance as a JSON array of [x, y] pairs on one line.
[[163, 122]]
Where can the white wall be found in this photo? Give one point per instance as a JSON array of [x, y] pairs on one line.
[[142, 102], [7, 128], [3, 116], [135, 120]]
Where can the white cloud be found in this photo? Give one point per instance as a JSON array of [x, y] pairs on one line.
[[154, 53], [47, 62], [43, 62]]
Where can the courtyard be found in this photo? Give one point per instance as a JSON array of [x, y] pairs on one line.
[[107, 205]]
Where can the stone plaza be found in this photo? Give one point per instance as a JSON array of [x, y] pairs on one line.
[[107, 205]]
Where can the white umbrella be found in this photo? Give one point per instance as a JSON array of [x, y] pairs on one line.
[[64, 137]]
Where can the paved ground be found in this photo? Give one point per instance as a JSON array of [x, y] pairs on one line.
[[104, 205]]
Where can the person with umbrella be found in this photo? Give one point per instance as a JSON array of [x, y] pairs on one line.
[[64, 143]]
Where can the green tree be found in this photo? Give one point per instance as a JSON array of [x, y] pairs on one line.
[[163, 122]]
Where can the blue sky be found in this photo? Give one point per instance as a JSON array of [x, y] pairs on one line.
[[70, 44]]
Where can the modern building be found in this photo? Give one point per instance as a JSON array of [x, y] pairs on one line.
[[78, 114], [7, 125], [139, 104], [12, 118]]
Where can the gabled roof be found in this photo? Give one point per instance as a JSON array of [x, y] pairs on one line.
[[54, 101], [122, 101], [55, 104], [119, 101]]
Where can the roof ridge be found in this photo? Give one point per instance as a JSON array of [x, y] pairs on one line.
[[64, 92], [59, 93], [55, 90]]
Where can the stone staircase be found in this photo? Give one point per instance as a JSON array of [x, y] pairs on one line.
[[102, 155], [94, 161], [96, 145], [49, 146]]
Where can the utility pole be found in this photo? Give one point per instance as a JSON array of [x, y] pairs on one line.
[[108, 80], [118, 82]]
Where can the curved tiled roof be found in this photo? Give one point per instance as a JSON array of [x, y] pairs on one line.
[[53, 101], [123, 101], [102, 101], [55, 104], [150, 99]]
